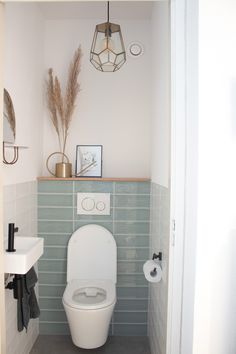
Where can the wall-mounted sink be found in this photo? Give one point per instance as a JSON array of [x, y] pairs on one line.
[[28, 251]]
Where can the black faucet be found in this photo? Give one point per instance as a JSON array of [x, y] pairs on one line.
[[11, 233]]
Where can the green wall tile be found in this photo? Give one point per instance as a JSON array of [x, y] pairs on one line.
[[129, 267], [132, 240], [51, 290], [132, 187], [131, 280], [132, 292], [52, 278], [55, 239], [133, 254], [55, 187], [130, 317], [132, 236], [55, 226], [52, 265], [131, 201], [107, 224], [131, 305], [130, 227], [53, 303], [53, 316], [54, 253], [132, 214], [93, 187], [55, 200], [55, 213]]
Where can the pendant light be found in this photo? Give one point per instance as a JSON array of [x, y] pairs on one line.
[[107, 52]]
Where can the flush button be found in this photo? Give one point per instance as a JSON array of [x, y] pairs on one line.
[[100, 206], [88, 204], [93, 203]]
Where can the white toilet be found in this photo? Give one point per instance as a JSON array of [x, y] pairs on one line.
[[90, 295]]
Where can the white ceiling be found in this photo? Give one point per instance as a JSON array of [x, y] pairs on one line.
[[94, 10]]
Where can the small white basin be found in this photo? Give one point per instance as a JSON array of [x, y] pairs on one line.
[[28, 251]]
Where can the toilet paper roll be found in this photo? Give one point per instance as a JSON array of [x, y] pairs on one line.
[[150, 274]]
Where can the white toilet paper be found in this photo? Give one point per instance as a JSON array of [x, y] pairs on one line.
[[149, 267]]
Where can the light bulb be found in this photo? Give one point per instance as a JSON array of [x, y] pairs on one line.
[[107, 44]]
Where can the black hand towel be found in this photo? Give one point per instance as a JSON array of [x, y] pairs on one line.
[[27, 307]]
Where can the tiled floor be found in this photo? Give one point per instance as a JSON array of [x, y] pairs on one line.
[[114, 345]]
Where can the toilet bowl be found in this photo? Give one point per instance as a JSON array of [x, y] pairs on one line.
[[90, 295]]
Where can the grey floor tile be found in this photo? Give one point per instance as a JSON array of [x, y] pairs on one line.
[[46, 344]]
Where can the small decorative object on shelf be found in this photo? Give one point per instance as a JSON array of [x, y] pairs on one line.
[[61, 110], [63, 169], [88, 161]]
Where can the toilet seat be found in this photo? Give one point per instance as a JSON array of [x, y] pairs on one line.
[[89, 295]]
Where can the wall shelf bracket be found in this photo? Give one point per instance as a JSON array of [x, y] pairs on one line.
[[15, 153]]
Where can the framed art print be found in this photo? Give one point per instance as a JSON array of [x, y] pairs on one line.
[[88, 161]]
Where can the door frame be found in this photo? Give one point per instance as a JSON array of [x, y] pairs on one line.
[[184, 169]]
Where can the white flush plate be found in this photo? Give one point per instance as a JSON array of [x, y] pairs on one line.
[[93, 203]]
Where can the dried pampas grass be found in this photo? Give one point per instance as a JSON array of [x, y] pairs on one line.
[[62, 109], [10, 113]]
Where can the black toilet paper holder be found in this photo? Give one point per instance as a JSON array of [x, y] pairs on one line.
[[157, 256]]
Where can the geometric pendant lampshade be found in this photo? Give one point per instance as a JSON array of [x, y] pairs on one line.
[[107, 52]]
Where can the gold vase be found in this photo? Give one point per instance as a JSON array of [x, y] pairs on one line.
[[63, 169]]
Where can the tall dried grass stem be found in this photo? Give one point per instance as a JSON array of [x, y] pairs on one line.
[[61, 110]]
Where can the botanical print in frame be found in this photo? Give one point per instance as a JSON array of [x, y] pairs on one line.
[[88, 161]]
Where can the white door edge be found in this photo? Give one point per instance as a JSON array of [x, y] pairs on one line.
[[184, 18], [2, 289]]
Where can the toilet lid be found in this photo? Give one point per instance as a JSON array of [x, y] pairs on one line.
[[89, 295]]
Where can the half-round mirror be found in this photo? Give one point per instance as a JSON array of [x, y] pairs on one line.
[[9, 121]]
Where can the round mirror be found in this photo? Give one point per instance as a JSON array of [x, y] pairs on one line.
[[9, 121]]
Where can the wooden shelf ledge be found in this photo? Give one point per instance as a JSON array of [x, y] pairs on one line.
[[103, 179]]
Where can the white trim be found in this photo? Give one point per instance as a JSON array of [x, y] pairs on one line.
[[178, 162], [2, 290], [191, 176], [184, 20]]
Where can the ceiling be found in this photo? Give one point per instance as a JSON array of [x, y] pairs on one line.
[[134, 10]]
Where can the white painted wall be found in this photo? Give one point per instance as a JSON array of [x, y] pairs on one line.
[[23, 78], [113, 109], [23, 72], [215, 306], [160, 147]]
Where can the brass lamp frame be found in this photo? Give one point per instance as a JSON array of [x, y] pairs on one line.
[[107, 29]]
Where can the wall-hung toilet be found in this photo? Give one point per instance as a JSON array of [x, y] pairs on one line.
[[90, 295]]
